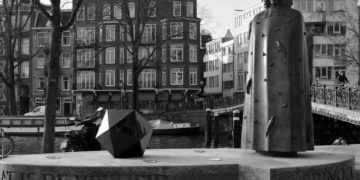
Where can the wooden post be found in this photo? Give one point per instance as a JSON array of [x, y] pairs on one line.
[[208, 126], [349, 94], [236, 129], [216, 130]]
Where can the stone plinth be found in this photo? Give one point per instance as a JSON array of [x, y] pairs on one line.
[[179, 164]]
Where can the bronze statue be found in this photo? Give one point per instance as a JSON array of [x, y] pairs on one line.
[[277, 113]]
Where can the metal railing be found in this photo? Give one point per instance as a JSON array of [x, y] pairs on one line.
[[338, 96]]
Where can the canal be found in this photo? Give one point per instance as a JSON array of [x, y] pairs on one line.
[[32, 145]]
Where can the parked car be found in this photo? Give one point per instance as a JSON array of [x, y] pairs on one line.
[[38, 111]]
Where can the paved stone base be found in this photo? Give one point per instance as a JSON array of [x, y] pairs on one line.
[[179, 164]]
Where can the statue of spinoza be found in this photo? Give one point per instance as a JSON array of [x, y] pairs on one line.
[[277, 113]]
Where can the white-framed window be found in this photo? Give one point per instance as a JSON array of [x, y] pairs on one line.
[[339, 5], [66, 36], [192, 31], [85, 58], [65, 60], [85, 35], [25, 22], [323, 72], [121, 76], [81, 13], [117, 11], [129, 77], [152, 9], [176, 52], [193, 76], [25, 46], [106, 12], [163, 78], [110, 78], [163, 53], [122, 34], [145, 52], [65, 83], [163, 31], [110, 55], [25, 69], [101, 58], [2, 92], [40, 60], [91, 12], [131, 6], [40, 83], [121, 55], [149, 34], [193, 53], [328, 50], [110, 33], [176, 76], [147, 78], [176, 30], [336, 28], [176, 8], [42, 39], [129, 56], [189, 9], [85, 79]]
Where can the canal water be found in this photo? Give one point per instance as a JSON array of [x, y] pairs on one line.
[[32, 145]]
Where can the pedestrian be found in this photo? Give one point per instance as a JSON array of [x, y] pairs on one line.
[[342, 79]]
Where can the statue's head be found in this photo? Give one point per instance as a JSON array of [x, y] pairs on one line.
[[287, 3]]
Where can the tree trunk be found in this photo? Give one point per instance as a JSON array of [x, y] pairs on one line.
[[52, 88], [135, 68], [11, 86]]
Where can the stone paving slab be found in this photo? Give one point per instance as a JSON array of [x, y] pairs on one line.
[[178, 164]]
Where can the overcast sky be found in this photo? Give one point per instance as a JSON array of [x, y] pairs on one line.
[[223, 11]]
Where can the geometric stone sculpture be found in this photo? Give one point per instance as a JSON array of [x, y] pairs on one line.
[[124, 133], [277, 112]]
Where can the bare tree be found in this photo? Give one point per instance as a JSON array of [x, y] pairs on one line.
[[208, 21], [14, 22], [57, 29]]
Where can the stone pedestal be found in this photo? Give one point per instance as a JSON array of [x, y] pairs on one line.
[[179, 164]]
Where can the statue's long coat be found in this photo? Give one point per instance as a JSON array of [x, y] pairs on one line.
[[277, 112]]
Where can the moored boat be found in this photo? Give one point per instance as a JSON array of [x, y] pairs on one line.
[[162, 127]]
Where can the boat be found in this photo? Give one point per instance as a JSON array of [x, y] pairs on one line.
[[162, 127]]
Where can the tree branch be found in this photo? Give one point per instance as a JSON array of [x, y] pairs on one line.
[[43, 10], [73, 15]]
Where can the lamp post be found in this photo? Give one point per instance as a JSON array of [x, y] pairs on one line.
[[121, 85], [201, 94]]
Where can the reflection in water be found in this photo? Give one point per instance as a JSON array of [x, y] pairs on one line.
[[32, 145]]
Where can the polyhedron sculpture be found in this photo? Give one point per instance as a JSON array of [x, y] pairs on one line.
[[124, 133]]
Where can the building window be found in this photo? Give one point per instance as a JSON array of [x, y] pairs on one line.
[[117, 11], [240, 81], [176, 8], [176, 30], [40, 60], [121, 76], [336, 28], [40, 83], [192, 31], [25, 69], [66, 38], [110, 78], [324, 73], [42, 39], [25, 46], [2, 92], [110, 55], [110, 33], [2, 46], [190, 9], [131, 10], [193, 53], [320, 5], [339, 5], [147, 78], [121, 55], [193, 76], [65, 83], [129, 56], [176, 53], [85, 79], [129, 77], [163, 77], [163, 29], [85, 58], [176, 76], [328, 50], [2, 67], [25, 22], [122, 34], [65, 60], [81, 13], [149, 33], [106, 12], [163, 54], [152, 9], [91, 11], [85, 36]]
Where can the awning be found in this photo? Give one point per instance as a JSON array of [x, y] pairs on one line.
[[176, 96], [147, 96], [163, 96]]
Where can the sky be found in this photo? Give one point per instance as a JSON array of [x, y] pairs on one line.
[[223, 12]]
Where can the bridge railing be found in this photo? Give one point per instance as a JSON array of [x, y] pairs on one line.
[[338, 96]]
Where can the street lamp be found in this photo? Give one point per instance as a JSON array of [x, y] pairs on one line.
[[201, 94]]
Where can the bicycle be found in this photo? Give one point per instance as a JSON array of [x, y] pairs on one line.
[[6, 144]]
